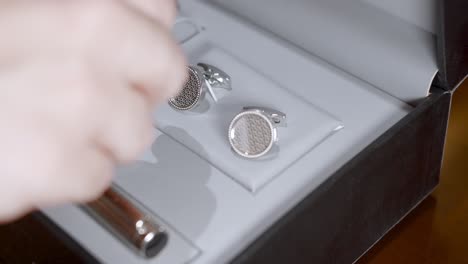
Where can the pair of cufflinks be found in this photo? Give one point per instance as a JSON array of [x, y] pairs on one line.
[[252, 133]]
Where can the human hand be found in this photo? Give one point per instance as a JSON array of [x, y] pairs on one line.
[[78, 83]]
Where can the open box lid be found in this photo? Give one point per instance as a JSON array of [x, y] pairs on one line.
[[216, 197], [397, 46], [452, 43]]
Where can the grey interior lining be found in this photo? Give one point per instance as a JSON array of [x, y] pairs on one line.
[[362, 38], [212, 217]]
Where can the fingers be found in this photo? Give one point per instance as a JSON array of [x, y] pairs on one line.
[[126, 127], [87, 178], [123, 130], [71, 148], [48, 168], [89, 94], [78, 174], [144, 53], [152, 63]]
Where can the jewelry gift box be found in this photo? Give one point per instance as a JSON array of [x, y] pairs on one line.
[[366, 89]]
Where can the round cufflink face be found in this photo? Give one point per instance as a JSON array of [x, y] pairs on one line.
[[190, 94], [251, 134]]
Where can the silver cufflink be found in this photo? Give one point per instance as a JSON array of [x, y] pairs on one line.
[[202, 78], [253, 132]]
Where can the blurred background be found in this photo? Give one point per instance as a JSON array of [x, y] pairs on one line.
[[437, 230]]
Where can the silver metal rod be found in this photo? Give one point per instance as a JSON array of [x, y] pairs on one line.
[[128, 221]]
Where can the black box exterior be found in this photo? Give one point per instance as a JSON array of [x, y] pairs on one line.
[[355, 207], [362, 201]]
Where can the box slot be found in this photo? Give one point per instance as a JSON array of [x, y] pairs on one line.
[[308, 125]]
